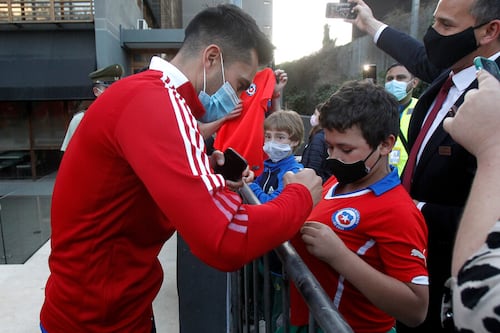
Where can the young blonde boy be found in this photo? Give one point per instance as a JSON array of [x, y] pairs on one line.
[[283, 134]]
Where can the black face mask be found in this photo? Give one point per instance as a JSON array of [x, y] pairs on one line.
[[349, 173], [444, 51]]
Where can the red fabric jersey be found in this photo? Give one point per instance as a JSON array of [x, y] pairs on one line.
[[136, 171], [246, 133], [384, 227]]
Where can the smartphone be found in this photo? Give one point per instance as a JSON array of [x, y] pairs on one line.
[[488, 65], [342, 10], [370, 72], [233, 166]]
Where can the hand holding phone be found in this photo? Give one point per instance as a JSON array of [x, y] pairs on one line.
[[342, 10], [233, 167], [488, 65]]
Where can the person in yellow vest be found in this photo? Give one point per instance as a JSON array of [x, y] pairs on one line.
[[401, 83]]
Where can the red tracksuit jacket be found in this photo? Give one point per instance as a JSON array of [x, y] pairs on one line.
[[134, 172]]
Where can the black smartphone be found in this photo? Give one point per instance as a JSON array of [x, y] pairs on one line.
[[342, 10], [233, 166], [370, 72], [488, 65]]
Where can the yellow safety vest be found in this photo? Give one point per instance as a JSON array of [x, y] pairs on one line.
[[399, 155]]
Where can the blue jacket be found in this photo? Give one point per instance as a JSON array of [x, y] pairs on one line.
[[270, 183]]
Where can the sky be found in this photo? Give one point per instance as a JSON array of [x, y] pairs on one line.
[[298, 28]]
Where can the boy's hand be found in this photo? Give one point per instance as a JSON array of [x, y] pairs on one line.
[[322, 242]]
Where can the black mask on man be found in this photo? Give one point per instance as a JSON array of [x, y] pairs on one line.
[[444, 51]]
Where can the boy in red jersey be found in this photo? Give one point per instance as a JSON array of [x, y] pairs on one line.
[[365, 241], [136, 171]]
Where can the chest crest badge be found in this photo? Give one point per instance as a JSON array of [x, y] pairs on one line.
[[346, 218]]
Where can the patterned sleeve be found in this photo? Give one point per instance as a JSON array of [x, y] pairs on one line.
[[475, 292]]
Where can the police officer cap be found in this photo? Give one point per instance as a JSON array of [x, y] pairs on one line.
[[107, 75]]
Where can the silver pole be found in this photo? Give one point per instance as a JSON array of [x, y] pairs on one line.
[[415, 6], [320, 305]]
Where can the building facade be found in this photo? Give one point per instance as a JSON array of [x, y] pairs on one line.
[[48, 48]]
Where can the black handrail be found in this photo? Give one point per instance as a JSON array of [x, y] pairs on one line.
[[320, 305]]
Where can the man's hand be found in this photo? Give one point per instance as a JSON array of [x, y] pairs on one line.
[[364, 20], [217, 158], [247, 177], [238, 109], [309, 179], [281, 81]]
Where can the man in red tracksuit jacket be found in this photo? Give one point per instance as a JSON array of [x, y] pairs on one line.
[[136, 171]]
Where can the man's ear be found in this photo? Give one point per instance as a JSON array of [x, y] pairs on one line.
[[211, 55], [415, 82], [491, 33], [387, 145]]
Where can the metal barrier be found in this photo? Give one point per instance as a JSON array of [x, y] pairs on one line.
[[245, 288]]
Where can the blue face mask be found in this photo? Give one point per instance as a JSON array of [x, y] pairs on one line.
[[397, 88], [277, 151], [219, 104]]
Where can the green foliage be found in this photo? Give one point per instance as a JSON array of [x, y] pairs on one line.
[[295, 100], [324, 92]]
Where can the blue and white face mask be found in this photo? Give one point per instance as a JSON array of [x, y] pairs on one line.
[[397, 88], [277, 151], [219, 104]]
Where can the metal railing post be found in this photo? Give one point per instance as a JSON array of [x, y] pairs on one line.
[[320, 305]]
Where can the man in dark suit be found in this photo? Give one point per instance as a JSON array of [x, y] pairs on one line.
[[440, 176]]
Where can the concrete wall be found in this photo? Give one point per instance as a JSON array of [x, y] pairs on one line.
[[260, 11], [362, 50], [109, 17], [376, 56]]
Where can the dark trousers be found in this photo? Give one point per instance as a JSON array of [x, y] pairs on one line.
[[153, 327]]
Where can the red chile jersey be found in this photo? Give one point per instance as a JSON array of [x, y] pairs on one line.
[[246, 133], [383, 226], [134, 172]]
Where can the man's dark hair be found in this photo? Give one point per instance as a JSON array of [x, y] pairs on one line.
[[362, 103], [233, 30], [391, 66], [397, 64]]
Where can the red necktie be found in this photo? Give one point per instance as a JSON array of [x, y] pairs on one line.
[[412, 159]]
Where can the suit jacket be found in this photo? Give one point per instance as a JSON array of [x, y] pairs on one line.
[[444, 173]]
